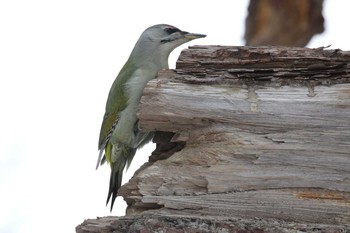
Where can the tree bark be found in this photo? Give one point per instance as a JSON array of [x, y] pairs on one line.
[[287, 22], [260, 138]]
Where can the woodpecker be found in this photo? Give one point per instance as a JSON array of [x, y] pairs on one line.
[[120, 135]]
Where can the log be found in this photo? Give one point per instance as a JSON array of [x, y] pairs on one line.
[[259, 140]]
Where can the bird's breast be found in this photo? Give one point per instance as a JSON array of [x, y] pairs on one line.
[[124, 132]]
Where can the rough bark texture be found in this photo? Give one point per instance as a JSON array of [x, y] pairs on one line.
[[260, 138], [187, 224], [287, 22]]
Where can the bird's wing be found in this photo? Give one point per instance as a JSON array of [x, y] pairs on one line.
[[116, 103], [108, 125]]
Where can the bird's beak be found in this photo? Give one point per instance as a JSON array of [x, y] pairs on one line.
[[192, 36]]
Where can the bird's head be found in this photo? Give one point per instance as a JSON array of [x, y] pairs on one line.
[[163, 38], [169, 36]]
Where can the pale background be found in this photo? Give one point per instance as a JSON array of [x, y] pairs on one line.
[[58, 60]]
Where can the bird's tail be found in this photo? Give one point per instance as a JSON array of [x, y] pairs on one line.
[[121, 156]]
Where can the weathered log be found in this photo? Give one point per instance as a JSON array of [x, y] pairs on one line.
[[264, 137]]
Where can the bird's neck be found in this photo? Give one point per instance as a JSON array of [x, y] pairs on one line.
[[150, 56]]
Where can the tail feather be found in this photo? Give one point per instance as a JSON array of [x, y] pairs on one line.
[[121, 157], [99, 158], [114, 185]]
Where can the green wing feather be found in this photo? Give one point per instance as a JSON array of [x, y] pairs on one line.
[[116, 102]]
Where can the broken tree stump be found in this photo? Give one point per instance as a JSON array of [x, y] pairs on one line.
[[260, 138]]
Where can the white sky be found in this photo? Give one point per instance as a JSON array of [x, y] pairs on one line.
[[58, 60]]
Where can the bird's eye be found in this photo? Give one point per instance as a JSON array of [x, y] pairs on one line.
[[171, 30]]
